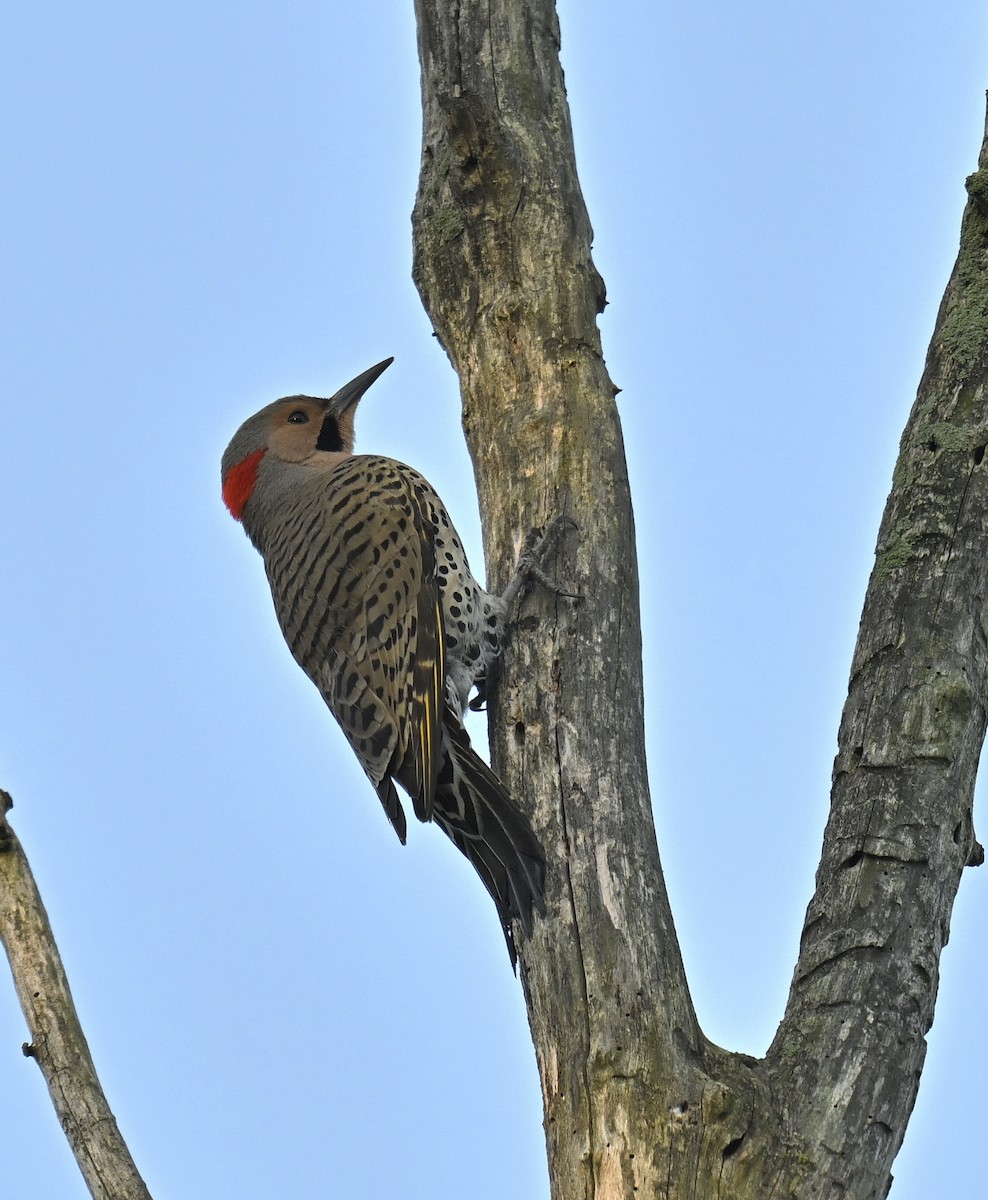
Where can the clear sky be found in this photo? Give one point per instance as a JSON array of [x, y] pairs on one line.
[[207, 206]]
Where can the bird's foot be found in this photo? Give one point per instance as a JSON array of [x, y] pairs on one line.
[[535, 550], [528, 569]]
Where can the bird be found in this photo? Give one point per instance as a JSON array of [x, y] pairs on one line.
[[377, 602]]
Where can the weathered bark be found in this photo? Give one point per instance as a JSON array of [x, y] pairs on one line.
[[58, 1044], [849, 1052], [636, 1099]]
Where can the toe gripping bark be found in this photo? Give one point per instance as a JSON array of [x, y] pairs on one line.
[[529, 569]]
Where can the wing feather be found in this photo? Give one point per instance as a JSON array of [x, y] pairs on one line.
[[359, 605]]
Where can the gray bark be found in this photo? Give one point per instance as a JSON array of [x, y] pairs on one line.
[[636, 1098]]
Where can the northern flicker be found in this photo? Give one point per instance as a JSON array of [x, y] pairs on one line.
[[378, 605]]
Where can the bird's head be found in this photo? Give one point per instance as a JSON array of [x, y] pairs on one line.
[[303, 430]]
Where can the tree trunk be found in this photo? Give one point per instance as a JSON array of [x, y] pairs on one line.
[[636, 1098]]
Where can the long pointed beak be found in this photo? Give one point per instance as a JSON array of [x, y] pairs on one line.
[[350, 393]]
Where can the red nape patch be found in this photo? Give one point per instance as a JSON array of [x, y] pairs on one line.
[[239, 483]]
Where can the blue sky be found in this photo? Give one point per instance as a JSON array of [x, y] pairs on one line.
[[207, 206]]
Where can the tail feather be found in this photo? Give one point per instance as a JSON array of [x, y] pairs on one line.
[[388, 794], [473, 808]]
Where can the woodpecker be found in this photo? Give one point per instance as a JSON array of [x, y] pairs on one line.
[[378, 605]]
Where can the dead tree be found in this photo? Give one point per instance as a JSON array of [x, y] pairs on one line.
[[637, 1099]]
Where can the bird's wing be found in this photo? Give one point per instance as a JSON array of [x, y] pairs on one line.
[[359, 606]]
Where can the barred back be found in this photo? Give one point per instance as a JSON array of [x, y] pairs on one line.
[[377, 602]]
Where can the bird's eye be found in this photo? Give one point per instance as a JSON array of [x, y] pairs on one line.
[[298, 417]]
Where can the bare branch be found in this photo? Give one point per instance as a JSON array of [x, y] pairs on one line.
[[852, 1043], [58, 1044]]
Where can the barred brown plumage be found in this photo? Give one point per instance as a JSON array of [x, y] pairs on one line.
[[378, 605]]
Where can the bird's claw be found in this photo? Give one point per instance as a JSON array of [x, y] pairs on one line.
[[537, 544]]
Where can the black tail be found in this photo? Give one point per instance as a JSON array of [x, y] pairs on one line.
[[474, 809]]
